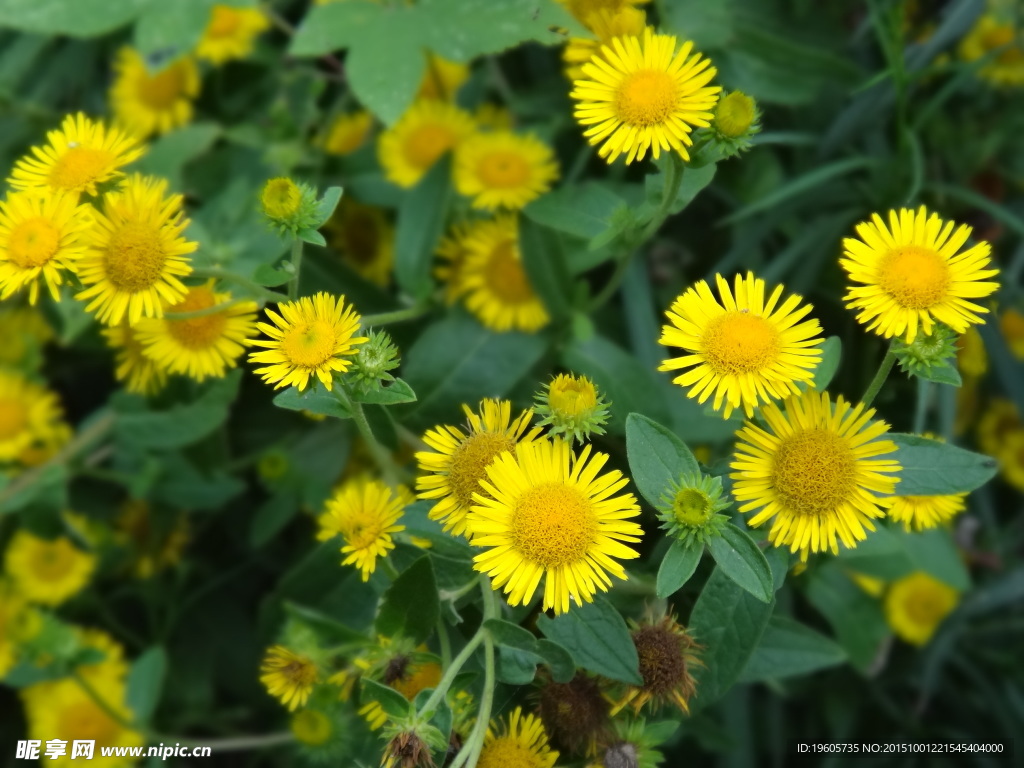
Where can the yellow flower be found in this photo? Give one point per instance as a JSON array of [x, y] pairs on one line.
[[313, 336], [442, 78], [139, 373], [12, 613], [501, 169], [148, 103], [918, 513], [916, 605], [548, 514], [24, 331], [459, 459], [735, 114], [29, 415], [424, 133], [971, 357], [288, 676], [347, 133], [1011, 323], [40, 237], [667, 654], [311, 727], [136, 253], [365, 239], [364, 513], [408, 677], [452, 252], [494, 280], [990, 33], [747, 351], [1011, 459], [572, 406], [230, 33], [112, 665], [77, 157], [645, 93], [202, 346], [522, 743], [280, 198], [606, 24], [64, 709], [47, 571], [813, 472], [912, 273], [582, 9], [998, 422]]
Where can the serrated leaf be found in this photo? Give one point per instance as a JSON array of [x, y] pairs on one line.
[[788, 649], [314, 400], [597, 638], [677, 567], [741, 560], [421, 219], [410, 606], [394, 704], [145, 683], [657, 458], [933, 468]]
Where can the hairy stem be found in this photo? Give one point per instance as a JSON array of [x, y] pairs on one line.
[[293, 285], [880, 376]]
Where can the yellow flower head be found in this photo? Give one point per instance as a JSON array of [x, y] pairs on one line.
[[207, 345], [916, 605], [25, 331], [314, 336], [494, 280], [918, 513], [442, 78], [1011, 459], [29, 415], [572, 406], [47, 571], [582, 9], [281, 198], [365, 239], [991, 33], [311, 727], [347, 133], [395, 663], [667, 655], [999, 421], [364, 513], [152, 102], [502, 169], [645, 93], [1011, 323], [735, 114], [743, 349], [140, 374], [971, 357], [40, 239], [424, 133], [912, 273], [606, 24], [549, 514], [288, 676], [230, 34], [813, 472], [77, 157], [136, 253], [521, 743], [112, 665], [452, 253], [459, 459]]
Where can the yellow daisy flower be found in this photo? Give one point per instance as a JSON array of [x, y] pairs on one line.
[[502, 169], [140, 374], [1011, 323], [548, 514], [452, 253], [365, 239], [407, 676], [442, 78], [667, 654], [494, 280], [581, 9], [77, 157], [312, 336], [136, 253], [645, 93], [364, 513], [522, 743], [24, 330], [148, 103], [916, 605], [814, 472], [606, 24], [912, 273], [991, 33], [40, 237], [459, 459], [347, 133], [745, 350], [29, 414], [288, 676], [918, 513], [230, 33], [424, 133], [203, 346], [47, 571], [311, 727]]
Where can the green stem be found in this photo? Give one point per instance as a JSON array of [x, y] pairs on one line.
[[880, 376], [398, 316], [924, 391], [389, 568], [445, 642], [205, 311], [452, 671], [255, 290], [293, 286], [380, 454], [469, 755]]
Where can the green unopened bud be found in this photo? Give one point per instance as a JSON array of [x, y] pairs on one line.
[[572, 406], [273, 465], [737, 120], [927, 351], [372, 361], [289, 207], [689, 511]]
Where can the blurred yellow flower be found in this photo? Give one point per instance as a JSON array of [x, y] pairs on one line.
[[347, 133], [606, 24], [918, 513], [364, 238], [971, 358], [288, 676], [139, 373], [442, 78], [501, 169], [47, 571], [25, 331], [989, 34], [916, 605], [422, 135], [231, 33], [1011, 323], [148, 102], [29, 415]]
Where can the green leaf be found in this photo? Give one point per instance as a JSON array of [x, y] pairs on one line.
[[183, 424], [171, 27], [506, 633], [932, 468], [597, 638], [410, 606], [273, 515], [267, 276], [145, 682], [386, 67], [741, 560], [694, 180], [558, 659], [314, 399], [946, 373], [327, 203], [855, 617], [831, 354], [582, 210], [544, 259], [709, 25], [677, 567], [934, 552], [657, 458], [788, 649], [728, 621], [421, 220], [312, 237], [327, 28], [394, 704], [168, 155], [396, 392], [77, 18], [516, 667]]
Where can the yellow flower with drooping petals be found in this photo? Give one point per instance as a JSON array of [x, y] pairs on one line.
[[364, 513], [918, 513], [288, 676]]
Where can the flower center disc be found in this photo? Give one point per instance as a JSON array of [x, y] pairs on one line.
[[647, 97], [572, 398], [469, 464], [814, 472], [427, 143], [135, 257], [197, 332], [309, 344], [507, 752], [505, 275], [33, 243], [161, 91], [52, 560], [281, 198], [13, 419], [662, 665], [79, 166], [691, 507], [739, 342], [503, 170], [915, 277], [553, 525], [85, 720]]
